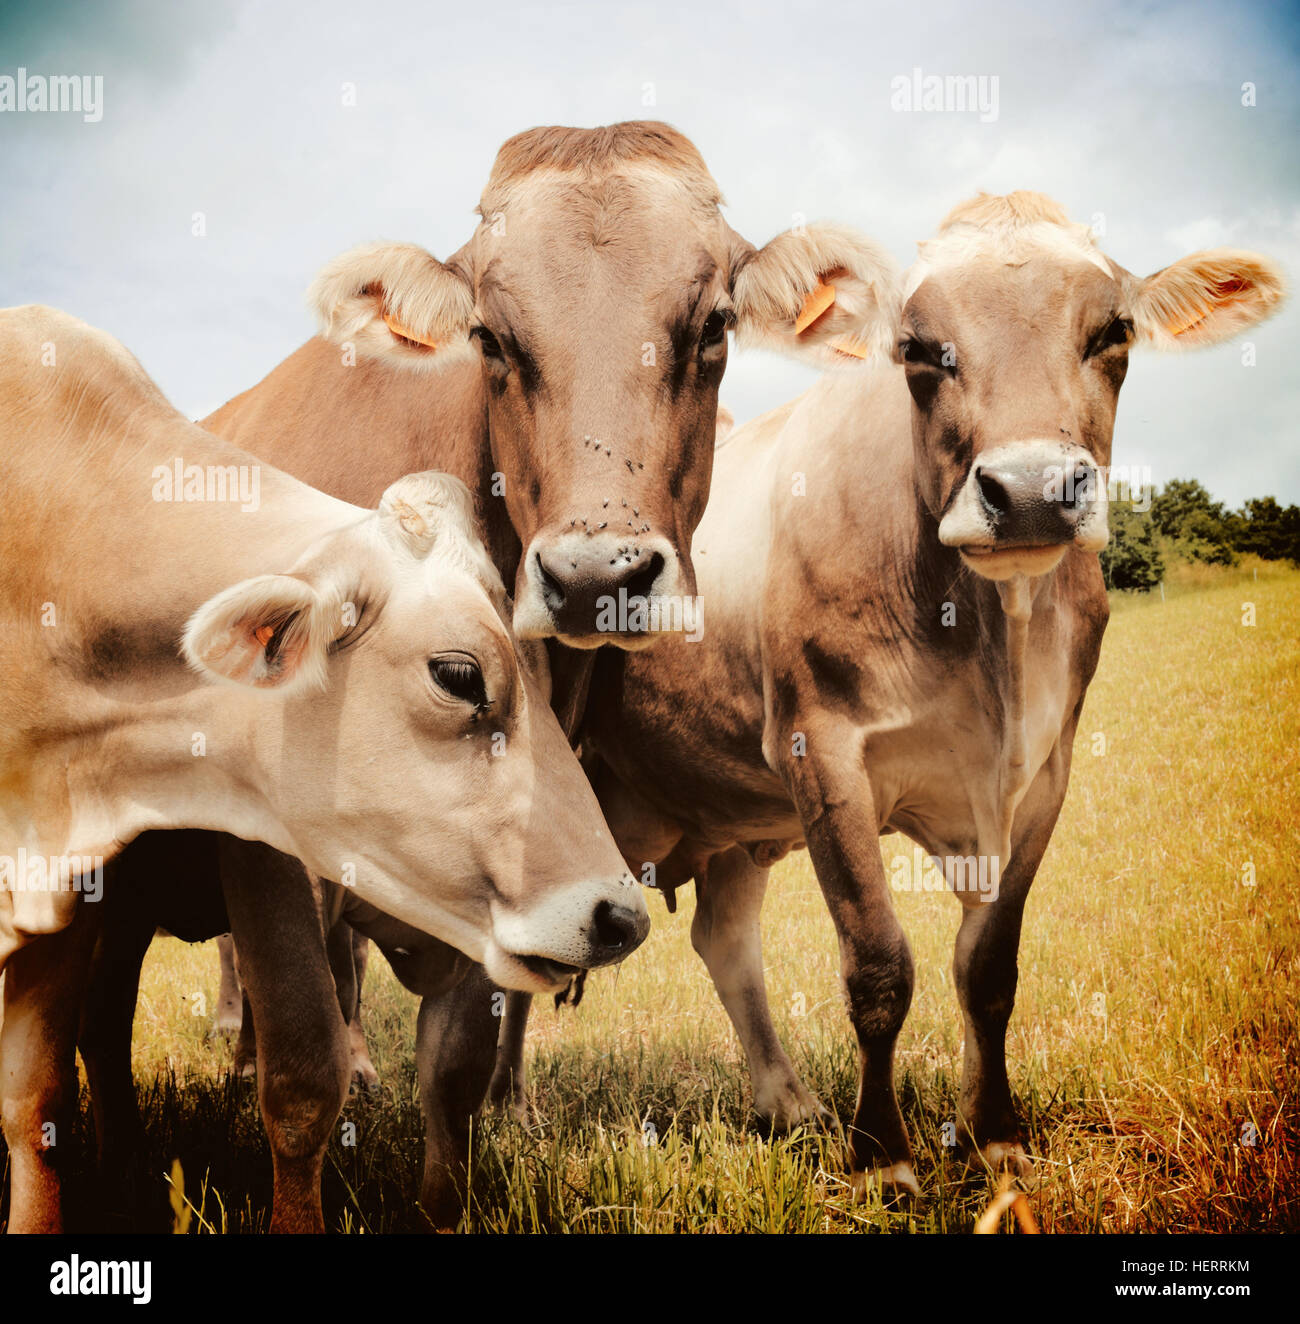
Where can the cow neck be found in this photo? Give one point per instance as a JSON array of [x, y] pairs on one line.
[[1016, 598], [1003, 654]]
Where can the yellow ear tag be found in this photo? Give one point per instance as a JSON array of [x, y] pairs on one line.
[[1176, 328], [399, 330], [814, 306], [851, 346], [263, 634]]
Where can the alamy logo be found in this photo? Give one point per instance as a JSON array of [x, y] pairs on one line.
[[657, 614], [1078, 485], [179, 481], [52, 873], [946, 93], [78, 94], [77, 1277], [946, 873]]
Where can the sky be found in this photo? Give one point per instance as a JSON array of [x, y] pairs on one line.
[[1130, 114]]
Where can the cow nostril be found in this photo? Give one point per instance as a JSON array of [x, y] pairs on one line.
[[615, 926], [642, 581], [995, 496], [1078, 487], [551, 587]]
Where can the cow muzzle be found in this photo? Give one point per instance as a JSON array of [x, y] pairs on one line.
[[1023, 505], [539, 949], [587, 588]]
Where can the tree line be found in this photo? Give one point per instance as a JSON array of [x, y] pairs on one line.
[[1184, 523]]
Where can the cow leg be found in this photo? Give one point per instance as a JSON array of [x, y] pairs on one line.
[[984, 970], [230, 998], [985, 973], [245, 1061], [363, 1069], [108, 1017], [348, 954], [44, 984], [303, 1063], [725, 932], [455, 1046], [508, 1088], [830, 789]]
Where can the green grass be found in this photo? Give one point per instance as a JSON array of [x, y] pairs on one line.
[[1154, 1030]]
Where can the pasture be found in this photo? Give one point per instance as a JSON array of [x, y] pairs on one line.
[[1152, 1050]]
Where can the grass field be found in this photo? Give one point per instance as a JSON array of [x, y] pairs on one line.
[[1153, 1047]]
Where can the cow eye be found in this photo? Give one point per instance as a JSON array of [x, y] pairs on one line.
[[911, 350], [1116, 332], [489, 344], [461, 678], [714, 331]]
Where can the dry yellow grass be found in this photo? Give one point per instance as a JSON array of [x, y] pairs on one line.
[[1152, 1048]]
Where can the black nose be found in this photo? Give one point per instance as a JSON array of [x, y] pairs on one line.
[[1036, 504], [575, 581], [616, 931]]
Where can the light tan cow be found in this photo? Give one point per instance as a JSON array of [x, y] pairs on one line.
[[190, 638], [904, 610]]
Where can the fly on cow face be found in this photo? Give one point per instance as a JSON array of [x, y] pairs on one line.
[[592, 301], [596, 295]]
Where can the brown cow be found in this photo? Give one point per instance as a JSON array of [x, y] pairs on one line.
[[905, 608], [566, 364]]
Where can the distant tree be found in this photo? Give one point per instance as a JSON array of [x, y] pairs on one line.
[[1132, 559], [1195, 525], [1267, 529], [1204, 538], [1178, 501]]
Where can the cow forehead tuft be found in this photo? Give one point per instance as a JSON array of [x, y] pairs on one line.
[[1004, 210], [1009, 234], [592, 153]]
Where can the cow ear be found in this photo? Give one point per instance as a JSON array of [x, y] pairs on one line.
[[1206, 298], [724, 425], [429, 510], [272, 632], [395, 302], [822, 293]]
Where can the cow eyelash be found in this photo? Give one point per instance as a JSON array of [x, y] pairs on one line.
[[1117, 331], [912, 350], [714, 330], [488, 343], [460, 678]]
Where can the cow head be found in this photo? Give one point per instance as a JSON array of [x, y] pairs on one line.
[[1015, 339], [597, 293], [459, 806]]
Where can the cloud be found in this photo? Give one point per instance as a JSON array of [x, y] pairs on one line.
[[1128, 112], [1208, 232]]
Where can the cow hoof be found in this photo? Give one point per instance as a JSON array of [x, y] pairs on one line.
[[516, 1107], [895, 1182], [1002, 1156], [364, 1083], [245, 1070], [223, 1029], [793, 1111]]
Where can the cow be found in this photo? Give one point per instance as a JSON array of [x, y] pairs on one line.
[[904, 610], [565, 363], [194, 640]]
